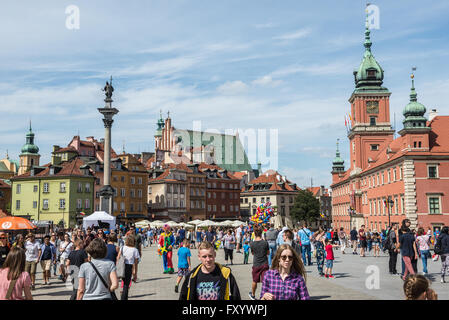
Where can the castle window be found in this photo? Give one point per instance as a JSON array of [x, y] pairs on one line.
[[432, 171], [419, 144], [372, 121], [374, 147]]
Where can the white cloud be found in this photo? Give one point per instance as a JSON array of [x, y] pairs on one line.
[[302, 33], [265, 25], [267, 81], [233, 88]]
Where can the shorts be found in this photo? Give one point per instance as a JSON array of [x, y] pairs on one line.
[[46, 265], [182, 272], [258, 272], [329, 263], [363, 244], [30, 267]]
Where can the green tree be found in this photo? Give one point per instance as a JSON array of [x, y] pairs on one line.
[[306, 207]]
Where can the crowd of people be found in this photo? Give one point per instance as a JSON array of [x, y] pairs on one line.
[[98, 261]]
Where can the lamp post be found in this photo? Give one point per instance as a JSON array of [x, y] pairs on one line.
[[107, 192], [389, 204]]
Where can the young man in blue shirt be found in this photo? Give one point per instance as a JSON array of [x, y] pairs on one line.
[[305, 234]]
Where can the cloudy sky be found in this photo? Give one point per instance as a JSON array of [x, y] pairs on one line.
[[284, 65]]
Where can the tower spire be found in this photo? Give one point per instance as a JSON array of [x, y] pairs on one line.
[[413, 94], [368, 42]]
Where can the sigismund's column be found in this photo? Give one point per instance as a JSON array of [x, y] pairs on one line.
[[106, 192]]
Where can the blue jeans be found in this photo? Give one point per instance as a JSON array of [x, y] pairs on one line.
[[306, 248], [425, 254], [272, 246]]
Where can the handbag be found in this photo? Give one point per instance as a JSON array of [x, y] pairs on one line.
[[113, 296], [12, 284], [121, 265]]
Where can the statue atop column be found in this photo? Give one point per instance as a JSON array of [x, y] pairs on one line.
[[108, 89]]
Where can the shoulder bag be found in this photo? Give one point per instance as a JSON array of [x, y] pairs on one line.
[[121, 265], [12, 284], [113, 296]]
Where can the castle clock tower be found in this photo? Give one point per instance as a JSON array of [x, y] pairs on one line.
[[371, 129]]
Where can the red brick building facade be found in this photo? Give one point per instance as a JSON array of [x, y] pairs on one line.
[[390, 179]]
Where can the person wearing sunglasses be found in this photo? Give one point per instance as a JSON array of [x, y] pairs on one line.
[[4, 249], [286, 278]]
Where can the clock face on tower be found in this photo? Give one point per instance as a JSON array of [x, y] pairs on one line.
[[372, 107]]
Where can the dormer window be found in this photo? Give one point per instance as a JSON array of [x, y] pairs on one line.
[[371, 73]]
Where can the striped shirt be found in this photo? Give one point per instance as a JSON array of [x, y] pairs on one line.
[[292, 288]]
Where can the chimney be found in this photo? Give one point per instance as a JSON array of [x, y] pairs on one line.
[[322, 190], [432, 114], [55, 159]]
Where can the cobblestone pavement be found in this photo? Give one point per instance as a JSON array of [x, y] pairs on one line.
[[351, 272]]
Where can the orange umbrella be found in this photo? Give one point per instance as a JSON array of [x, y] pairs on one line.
[[15, 223]]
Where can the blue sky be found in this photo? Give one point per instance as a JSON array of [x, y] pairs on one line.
[[284, 65]]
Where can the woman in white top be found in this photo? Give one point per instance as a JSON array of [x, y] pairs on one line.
[[423, 242], [65, 248], [131, 256]]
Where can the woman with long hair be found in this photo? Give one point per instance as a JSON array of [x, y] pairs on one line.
[[286, 280], [14, 280], [20, 241], [132, 256]]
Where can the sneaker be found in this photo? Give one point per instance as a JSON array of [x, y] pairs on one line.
[[251, 296], [331, 277], [442, 280], [326, 276], [176, 288]]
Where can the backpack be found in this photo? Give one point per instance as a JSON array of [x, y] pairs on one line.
[[438, 246], [387, 243]]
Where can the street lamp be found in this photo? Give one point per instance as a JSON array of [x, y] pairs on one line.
[[389, 204]]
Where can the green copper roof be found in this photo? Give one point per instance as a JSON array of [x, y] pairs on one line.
[[338, 164], [414, 111], [223, 146], [160, 126], [30, 147], [369, 73]]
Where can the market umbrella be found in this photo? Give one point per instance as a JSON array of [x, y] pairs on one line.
[[186, 225], [157, 224], [15, 223], [226, 223], [172, 224], [195, 222], [207, 223], [143, 224], [238, 223]]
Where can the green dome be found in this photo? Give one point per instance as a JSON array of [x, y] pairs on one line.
[[29, 146], [414, 111], [338, 165], [369, 73]]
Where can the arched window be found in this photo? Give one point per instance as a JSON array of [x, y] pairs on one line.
[[157, 199]]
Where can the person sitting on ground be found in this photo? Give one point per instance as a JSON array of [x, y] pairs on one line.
[[417, 287], [209, 280]]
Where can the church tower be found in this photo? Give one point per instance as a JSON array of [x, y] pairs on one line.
[[338, 165], [158, 134], [370, 111], [30, 154]]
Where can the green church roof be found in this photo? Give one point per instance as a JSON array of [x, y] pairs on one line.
[[370, 74], [414, 111], [30, 147]]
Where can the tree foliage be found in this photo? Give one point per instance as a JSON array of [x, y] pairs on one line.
[[306, 207]]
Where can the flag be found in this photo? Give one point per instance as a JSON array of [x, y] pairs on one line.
[[350, 117], [346, 123]]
